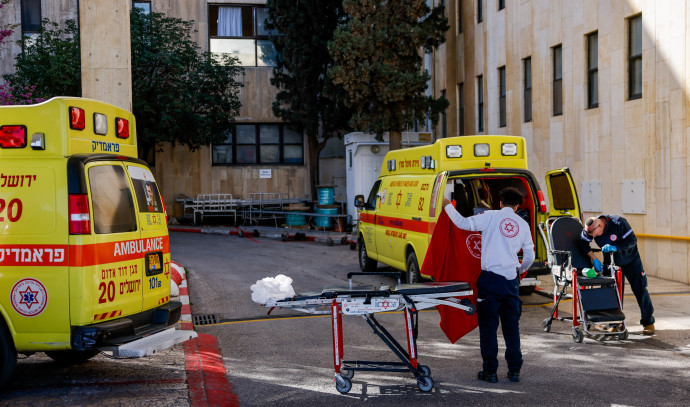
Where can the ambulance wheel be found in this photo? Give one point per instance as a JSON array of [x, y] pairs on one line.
[[623, 335], [343, 385], [425, 383], [424, 369], [546, 325], [365, 263], [69, 357], [412, 275], [345, 372], [353, 245], [8, 355], [578, 336]]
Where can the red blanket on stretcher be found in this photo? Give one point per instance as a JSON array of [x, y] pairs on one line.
[[454, 255]]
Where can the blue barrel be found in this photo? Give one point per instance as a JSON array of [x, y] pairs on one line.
[[295, 220], [324, 221], [326, 195]]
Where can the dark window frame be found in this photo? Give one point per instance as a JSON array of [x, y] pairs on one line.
[[35, 27], [444, 118], [480, 103], [501, 5], [480, 16], [557, 88], [527, 89], [255, 23], [634, 59], [458, 16], [592, 70], [232, 141], [135, 3], [502, 96]]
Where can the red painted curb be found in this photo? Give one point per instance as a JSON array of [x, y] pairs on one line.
[[206, 374]]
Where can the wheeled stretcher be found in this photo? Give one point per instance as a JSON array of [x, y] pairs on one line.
[[367, 300], [596, 301]]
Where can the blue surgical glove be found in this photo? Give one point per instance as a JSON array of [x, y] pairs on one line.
[[609, 248], [597, 265]]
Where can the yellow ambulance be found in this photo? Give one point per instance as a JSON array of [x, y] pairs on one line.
[[397, 219], [84, 249]]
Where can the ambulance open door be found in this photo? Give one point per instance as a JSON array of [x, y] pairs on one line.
[[563, 200]]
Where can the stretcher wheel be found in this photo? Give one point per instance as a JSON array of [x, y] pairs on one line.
[[343, 384], [623, 335], [425, 383], [330, 242], [424, 369], [546, 325], [578, 336], [285, 236], [353, 245], [345, 372]]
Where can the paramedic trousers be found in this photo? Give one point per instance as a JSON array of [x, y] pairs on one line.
[[498, 300], [634, 273]]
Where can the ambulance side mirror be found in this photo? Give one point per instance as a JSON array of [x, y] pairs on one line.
[[359, 201]]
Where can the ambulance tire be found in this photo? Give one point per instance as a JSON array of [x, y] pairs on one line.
[[8, 355], [412, 275], [69, 357], [365, 263]]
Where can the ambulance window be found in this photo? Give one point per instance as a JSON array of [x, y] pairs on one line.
[[113, 207], [562, 193], [371, 202], [145, 189]]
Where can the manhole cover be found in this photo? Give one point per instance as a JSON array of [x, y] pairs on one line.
[[205, 319]]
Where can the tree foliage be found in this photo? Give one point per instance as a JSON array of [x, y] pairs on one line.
[[379, 65], [301, 32], [179, 95]]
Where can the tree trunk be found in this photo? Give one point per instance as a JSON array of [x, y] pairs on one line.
[[314, 148], [395, 140]]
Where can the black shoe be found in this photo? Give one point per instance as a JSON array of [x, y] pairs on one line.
[[487, 377], [514, 375]]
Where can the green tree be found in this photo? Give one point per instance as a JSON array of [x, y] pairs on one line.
[[179, 95], [379, 65], [306, 94]]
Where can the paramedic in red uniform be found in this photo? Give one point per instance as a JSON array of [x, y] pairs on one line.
[[504, 234], [614, 234]]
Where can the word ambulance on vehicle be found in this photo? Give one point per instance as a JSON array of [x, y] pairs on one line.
[[397, 219], [84, 248]]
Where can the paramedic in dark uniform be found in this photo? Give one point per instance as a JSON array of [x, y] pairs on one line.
[[504, 234], [613, 234]]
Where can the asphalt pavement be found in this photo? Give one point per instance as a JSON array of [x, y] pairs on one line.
[[286, 358]]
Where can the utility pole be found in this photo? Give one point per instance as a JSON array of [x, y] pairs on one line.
[[106, 56]]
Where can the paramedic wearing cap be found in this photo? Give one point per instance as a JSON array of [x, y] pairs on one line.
[[504, 234], [613, 234]]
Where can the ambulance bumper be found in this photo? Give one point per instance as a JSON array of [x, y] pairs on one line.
[[128, 329]]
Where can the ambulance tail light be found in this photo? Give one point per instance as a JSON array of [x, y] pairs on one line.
[[79, 217], [542, 201], [77, 118], [165, 211], [122, 127], [13, 136]]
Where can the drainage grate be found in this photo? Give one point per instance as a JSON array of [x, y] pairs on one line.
[[205, 319]]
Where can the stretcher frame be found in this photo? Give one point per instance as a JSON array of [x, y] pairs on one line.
[[366, 301]]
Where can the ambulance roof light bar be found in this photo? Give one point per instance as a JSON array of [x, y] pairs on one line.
[[13, 136], [77, 118], [121, 128], [453, 151], [481, 150], [509, 149], [391, 165]]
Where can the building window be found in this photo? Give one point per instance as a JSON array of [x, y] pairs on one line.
[[501, 4], [592, 70], [527, 93], [480, 18], [502, 96], [31, 18], [635, 57], [271, 143], [238, 30], [144, 6], [444, 118], [443, 7], [480, 104], [458, 16], [461, 110], [557, 80]]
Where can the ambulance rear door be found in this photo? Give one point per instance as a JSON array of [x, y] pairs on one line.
[[154, 236], [563, 200]]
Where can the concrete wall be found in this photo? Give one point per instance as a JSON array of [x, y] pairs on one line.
[[621, 144]]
